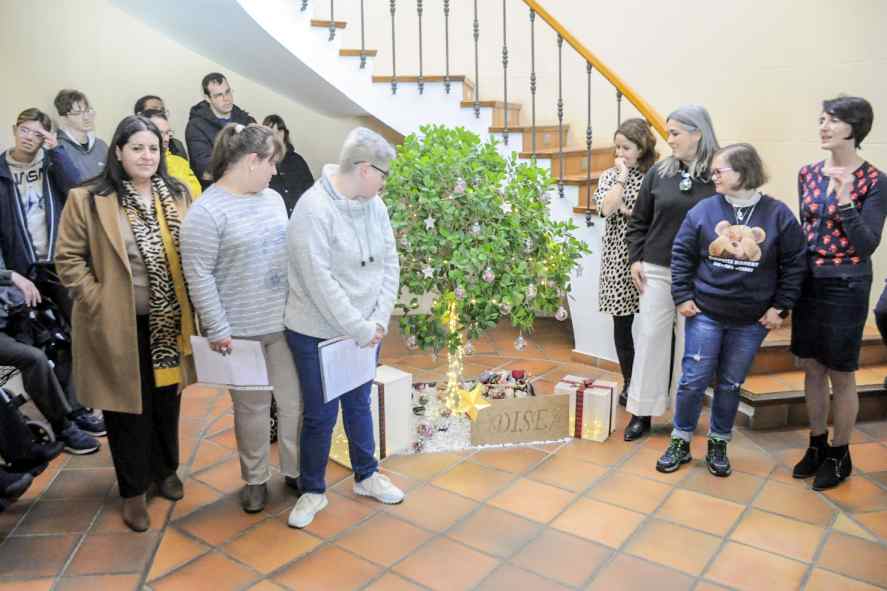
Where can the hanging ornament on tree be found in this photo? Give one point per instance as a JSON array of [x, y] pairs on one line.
[[505, 308], [531, 292], [428, 271], [459, 292], [411, 342], [405, 242], [429, 223], [475, 229], [488, 275], [469, 348], [561, 314], [506, 208], [460, 187], [520, 343], [528, 245]]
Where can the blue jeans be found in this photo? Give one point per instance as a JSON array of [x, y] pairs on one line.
[[320, 418], [711, 347]]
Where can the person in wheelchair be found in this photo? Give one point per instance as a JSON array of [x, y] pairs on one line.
[[20, 297]]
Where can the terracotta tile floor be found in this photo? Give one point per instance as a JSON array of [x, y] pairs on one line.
[[581, 515]]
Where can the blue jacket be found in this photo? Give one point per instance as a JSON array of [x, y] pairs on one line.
[[59, 176], [736, 272]]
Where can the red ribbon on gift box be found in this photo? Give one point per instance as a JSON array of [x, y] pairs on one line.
[[580, 403]]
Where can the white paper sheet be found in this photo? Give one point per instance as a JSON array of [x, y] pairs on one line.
[[244, 368], [345, 365]]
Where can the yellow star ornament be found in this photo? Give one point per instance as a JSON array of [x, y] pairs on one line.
[[472, 401]]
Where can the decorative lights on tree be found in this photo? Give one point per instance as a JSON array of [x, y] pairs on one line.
[[474, 232]]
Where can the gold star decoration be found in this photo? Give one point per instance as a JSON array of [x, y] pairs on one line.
[[471, 401]]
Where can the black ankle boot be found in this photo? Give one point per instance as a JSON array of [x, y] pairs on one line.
[[637, 427], [814, 457], [836, 467]]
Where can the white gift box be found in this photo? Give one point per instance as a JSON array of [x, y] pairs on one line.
[[391, 405], [593, 405]]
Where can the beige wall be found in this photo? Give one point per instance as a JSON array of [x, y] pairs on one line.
[[114, 58]]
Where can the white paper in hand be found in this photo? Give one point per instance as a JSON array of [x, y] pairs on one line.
[[345, 365], [244, 368]]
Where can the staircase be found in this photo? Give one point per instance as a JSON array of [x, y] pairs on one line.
[[296, 47]]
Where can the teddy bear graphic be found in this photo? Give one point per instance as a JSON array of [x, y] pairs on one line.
[[737, 242]]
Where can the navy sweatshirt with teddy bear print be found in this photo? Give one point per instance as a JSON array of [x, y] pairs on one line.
[[736, 271]]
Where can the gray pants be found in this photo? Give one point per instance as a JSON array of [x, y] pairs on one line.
[[252, 415]]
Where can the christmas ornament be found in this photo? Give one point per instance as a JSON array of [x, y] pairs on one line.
[[561, 314], [429, 223], [424, 428], [505, 308], [488, 275], [412, 343], [428, 271], [531, 291], [506, 208], [520, 343], [528, 245], [472, 401], [475, 229], [460, 187], [469, 348], [459, 292]]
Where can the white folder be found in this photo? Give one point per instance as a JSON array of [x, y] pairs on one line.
[[345, 365], [244, 368]]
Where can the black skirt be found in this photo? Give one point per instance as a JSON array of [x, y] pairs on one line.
[[829, 319]]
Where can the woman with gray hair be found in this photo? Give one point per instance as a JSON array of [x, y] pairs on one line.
[[343, 280], [669, 190]]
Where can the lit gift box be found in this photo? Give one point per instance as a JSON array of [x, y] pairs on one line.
[[592, 406], [390, 404]]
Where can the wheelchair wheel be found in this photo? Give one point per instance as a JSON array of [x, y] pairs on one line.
[[40, 430]]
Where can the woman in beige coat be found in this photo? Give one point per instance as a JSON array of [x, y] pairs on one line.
[[118, 253]]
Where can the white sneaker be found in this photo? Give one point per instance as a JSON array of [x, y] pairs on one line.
[[306, 508], [380, 488]]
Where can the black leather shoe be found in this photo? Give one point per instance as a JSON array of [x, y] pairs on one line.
[[813, 458], [253, 497], [836, 467], [171, 487], [637, 427]]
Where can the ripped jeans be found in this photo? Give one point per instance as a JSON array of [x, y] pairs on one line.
[[714, 348]]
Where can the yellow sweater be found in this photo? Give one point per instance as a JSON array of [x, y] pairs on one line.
[[179, 169]]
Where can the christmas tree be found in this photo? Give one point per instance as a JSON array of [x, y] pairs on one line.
[[473, 231]]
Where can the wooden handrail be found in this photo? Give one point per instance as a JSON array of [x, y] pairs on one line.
[[650, 114]]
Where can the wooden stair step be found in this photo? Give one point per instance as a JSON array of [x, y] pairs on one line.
[[358, 52], [580, 180], [326, 24], [784, 386], [524, 128]]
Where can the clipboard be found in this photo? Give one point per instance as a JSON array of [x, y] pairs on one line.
[[345, 365]]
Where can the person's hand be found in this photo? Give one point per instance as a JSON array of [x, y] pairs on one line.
[[621, 169], [688, 309], [638, 276], [50, 139], [771, 319], [842, 181], [32, 294], [222, 346], [377, 338]]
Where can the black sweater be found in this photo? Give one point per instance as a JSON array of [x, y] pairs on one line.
[[735, 272], [657, 215], [292, 179]]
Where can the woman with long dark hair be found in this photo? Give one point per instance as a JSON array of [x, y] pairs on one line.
[[842, 209], [615, 197], [293, 176], [118, 253]]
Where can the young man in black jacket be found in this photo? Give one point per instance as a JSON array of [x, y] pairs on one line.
[[207, 118]]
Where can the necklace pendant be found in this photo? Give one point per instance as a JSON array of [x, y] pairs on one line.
[[686, 184]]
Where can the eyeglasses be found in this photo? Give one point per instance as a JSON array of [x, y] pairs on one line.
[[84, 113], [384, 173], [29, 132], [717, 172]]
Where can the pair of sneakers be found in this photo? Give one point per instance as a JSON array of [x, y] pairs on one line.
[[678, 454], [377, 486]]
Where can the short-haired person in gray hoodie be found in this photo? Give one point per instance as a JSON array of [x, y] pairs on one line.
[[234, 255], [343, 280]]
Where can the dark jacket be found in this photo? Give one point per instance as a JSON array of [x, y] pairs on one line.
[[733, 272], [203, 126], [292, 179], [59, 176], [657, 215], [178, 148], [840, 242]]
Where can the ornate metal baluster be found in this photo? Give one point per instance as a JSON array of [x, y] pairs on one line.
[[560, 113], [446, 7], [505, 69], [332, 20], [618, 108], [421, 81], [588, 69], [304, 5], [476, 66], [533, 80], [393, 52], [363, 42]]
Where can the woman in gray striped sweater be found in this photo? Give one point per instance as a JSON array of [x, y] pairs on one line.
[[235, 261]]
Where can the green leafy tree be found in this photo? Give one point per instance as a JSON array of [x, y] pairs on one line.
[[473, 231]]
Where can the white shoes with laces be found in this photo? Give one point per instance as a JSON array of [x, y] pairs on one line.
[[308, 505], [379, 487]]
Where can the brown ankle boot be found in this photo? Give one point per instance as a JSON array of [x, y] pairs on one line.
[[135, 513]]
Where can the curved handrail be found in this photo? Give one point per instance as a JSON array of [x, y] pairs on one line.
[[656, 120]]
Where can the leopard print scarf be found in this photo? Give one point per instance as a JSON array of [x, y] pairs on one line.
[[165, 311]]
